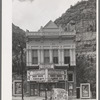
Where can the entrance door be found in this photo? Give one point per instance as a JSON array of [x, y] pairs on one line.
[[78, 92], [33, 90]]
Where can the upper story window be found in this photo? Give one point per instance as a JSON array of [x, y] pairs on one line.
[[34, 57], [46, 56], [55, 56], [66, 57]]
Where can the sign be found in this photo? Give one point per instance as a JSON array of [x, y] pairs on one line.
[[17, 87], [55, 75], [36, 75], [46, 66], [85, 90], [46, 75]]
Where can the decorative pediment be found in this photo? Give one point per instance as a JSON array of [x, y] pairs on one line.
[[50, 25]]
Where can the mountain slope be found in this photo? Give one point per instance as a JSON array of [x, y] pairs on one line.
[[82, 18]]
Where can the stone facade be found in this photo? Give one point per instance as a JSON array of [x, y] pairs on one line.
[[50, 60]]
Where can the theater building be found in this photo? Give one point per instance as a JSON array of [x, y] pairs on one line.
[[50, 60]]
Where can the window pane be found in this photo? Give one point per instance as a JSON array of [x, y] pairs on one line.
[[66, 53], [70, 77], [55, 56], [46, 53], [46, 56], [55, 53], [34, 53], [35, 60], [46, 60], [55, 60], [66, 57], [34, 57], [66, 60]]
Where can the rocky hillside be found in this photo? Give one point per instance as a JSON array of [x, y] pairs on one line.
[[81, 17]]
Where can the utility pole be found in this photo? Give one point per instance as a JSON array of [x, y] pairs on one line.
[[22, 65], [22, 71], [66, 80]]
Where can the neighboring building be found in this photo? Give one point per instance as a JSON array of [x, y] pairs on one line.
[[50, 60]]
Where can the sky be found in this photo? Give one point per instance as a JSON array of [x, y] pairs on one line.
[[32, 14]]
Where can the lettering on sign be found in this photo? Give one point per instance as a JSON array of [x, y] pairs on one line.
[[46, 66], [55, 75], [42, 75], [36, 75]]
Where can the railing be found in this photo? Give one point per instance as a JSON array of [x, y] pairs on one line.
[[49, 33]]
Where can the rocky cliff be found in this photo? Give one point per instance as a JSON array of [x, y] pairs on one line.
[[82, 18]]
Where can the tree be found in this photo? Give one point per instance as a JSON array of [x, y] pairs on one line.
[[86, 72], [18, 38]]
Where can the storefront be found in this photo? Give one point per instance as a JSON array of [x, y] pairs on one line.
[[39, 89], [50, 60], [40, 81]]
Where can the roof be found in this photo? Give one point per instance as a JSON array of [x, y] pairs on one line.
[[50, 24], [50, 30], [51, 27]]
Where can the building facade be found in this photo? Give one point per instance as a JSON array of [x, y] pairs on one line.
[[50, 60]]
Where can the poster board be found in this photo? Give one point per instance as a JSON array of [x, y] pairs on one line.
[[17, 87], [85, 90]]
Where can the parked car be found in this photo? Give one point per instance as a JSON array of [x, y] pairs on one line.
[[59, 94]]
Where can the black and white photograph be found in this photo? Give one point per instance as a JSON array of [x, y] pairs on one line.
[[54, 50]]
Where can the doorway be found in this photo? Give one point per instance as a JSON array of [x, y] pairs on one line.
[[78, 92], [33, 90]]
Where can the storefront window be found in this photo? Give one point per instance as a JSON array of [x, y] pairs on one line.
[[42, 87], [34, 57], [61, 85]]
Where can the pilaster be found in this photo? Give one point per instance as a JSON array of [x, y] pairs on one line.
[[30, 57], [39, 56], [51, 56]]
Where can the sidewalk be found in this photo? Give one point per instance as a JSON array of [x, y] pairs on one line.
[[28, 98], [40, 98]]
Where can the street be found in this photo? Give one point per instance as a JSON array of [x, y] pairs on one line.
[[28, 98], [40, 98]]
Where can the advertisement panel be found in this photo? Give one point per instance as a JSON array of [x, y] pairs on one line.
[[56, 75], [46, 75], [36, 75], [17, 87], [85, 90]]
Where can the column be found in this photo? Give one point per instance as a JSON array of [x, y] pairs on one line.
[[74, 89], [59, 56], [62, 56], [27, 58], [66, 80], [50, 52], [30, 57], [46, 75], [28, 88], [39, 60], [74, 57], [71, 57], [42, 56]]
